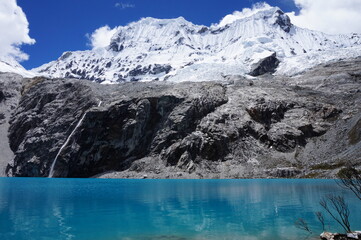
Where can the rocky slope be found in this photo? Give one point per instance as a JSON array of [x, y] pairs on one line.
[[178, 50], [10, 87], [271, 126]]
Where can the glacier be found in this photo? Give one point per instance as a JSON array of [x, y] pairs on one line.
[[178, 50]]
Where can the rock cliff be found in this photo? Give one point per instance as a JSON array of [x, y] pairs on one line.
[[10, 86], [271, 126]]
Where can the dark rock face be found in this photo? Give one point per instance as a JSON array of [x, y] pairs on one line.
[[42, 118], [65, 56], [266, 65], [267, 113], [283, 21], [2, 96], [220, 30], [274, 127], [281, 128], [116, 45], [132, 129], [203, 30], [157, 68], [109, 138], [151, 69]]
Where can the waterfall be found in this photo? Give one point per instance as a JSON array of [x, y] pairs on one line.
[[51, 173]]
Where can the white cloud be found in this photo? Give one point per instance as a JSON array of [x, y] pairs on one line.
[[14, 31], [101, 37], [330, 16], [246, 12]]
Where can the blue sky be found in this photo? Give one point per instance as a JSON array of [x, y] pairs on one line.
[[59, 26]]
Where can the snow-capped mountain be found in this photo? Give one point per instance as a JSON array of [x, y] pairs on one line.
[[8, 64], [178, 50]]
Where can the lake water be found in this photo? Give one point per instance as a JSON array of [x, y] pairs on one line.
[[114, 209]]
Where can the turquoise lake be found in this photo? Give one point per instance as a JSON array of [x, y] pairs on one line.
[[115, 209]]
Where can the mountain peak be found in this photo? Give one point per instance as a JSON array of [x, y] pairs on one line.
[[178, 50], [151, 20], [263, 12], [283, 20], [259, 9]]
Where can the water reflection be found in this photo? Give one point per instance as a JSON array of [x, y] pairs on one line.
[[95, 209]]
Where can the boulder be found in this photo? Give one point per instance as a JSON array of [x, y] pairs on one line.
[[339, 236], [265, 65]]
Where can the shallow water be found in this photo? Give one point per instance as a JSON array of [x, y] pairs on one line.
[[114, 209]]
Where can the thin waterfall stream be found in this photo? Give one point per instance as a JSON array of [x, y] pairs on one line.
[[51, 173]]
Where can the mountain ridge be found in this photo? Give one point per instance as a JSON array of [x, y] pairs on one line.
[[12, 66], [178, 50]]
